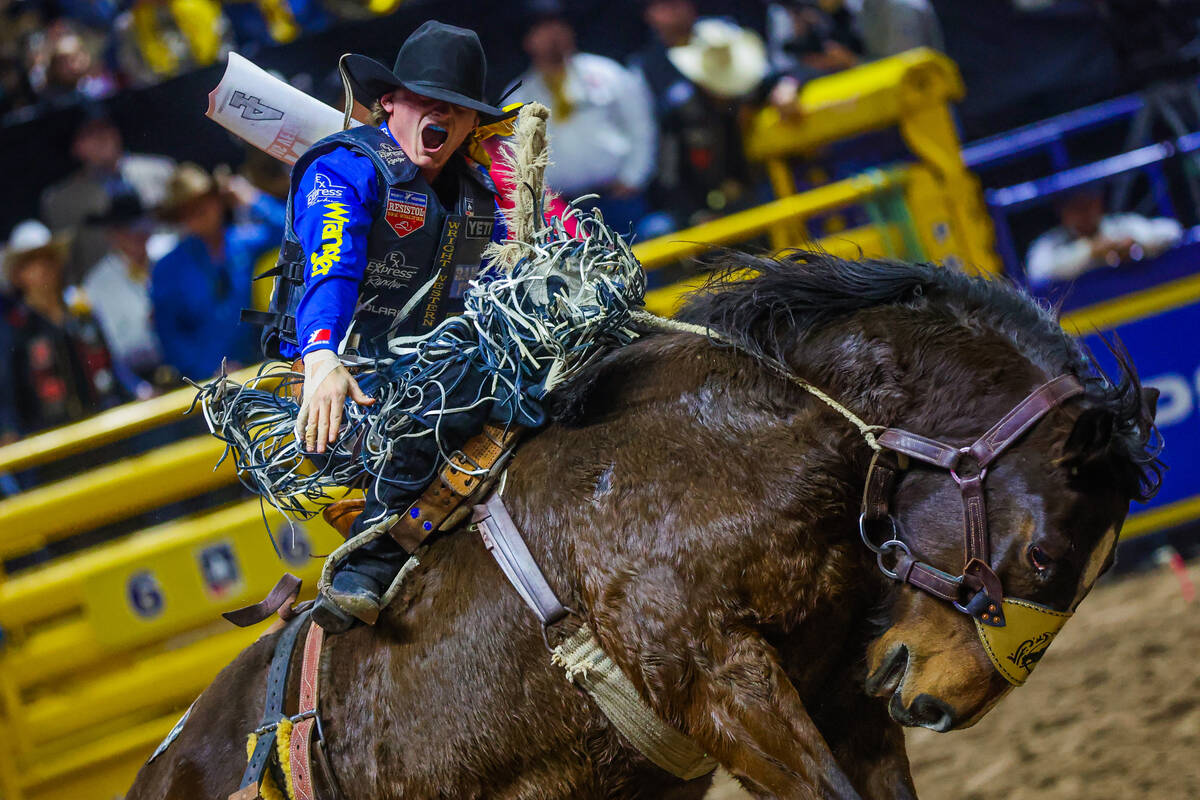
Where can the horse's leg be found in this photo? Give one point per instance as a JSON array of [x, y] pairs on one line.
[[868, 744], [747, 714]]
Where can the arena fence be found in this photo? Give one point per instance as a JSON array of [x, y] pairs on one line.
[[910, 93], [105, 646], [102, 650]]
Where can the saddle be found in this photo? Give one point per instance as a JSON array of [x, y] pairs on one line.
[[468, 473]]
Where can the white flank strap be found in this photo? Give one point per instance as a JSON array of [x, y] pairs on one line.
[[588, 666]]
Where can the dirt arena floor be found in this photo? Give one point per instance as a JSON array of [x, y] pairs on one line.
[[1111, 713]]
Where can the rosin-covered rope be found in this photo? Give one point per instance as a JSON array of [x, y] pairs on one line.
[[868, 431]]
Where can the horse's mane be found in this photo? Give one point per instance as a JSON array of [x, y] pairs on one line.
[[803, 291]]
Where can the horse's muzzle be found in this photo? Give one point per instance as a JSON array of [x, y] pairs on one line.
[[926, 711]]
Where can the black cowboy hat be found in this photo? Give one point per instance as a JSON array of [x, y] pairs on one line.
[[123, 211], [439, 61]]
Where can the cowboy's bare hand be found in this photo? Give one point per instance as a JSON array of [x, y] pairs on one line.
[[326, 385]]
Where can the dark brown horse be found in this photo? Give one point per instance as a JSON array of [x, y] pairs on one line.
[[701, 512]]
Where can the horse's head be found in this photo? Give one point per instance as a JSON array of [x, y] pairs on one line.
[[947, 356], [1053, 501]]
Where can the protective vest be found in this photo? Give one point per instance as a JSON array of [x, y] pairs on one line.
[[420, 255]]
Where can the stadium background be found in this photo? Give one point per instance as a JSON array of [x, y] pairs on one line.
[[88, 683]]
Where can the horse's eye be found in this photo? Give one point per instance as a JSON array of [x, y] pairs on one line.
[[1039, 559]]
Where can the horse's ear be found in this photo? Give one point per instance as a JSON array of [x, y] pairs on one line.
[[1090, 437], [1150, 402]]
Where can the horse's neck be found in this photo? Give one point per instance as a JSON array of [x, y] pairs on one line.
[[697, 456]]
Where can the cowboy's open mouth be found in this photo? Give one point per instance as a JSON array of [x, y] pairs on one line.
[[433, 136], [887, 679]]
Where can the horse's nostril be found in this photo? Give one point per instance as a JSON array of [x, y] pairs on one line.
[[930, 712]]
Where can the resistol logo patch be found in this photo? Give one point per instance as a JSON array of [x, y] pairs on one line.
[[405, 211]]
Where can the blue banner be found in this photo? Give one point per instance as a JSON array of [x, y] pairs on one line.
[[1166, 350]]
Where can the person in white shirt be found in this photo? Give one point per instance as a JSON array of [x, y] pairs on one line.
[[116, 287], [1088, 238], [106, 171], [602, 131]]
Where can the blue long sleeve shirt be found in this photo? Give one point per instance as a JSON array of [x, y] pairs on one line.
[[331, 288]]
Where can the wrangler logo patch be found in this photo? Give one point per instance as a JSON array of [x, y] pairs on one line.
[[334, 222], [405, 211]]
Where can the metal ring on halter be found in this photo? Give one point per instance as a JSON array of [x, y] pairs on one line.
[[888, 547], [962, 607], [862, 531], [963, 452]]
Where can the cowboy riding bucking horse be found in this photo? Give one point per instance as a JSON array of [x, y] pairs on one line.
[[756, 536], [387, 225]]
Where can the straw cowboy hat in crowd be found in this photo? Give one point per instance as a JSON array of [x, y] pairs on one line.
[[188, 183], [31, 239], [722, 58]]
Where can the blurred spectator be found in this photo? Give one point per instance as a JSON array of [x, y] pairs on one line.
[[106, 171], [20, 24], [601, 128], [273, 178], [63, 64], [117, 289], [156, 39], [1088, 238], [889, 27], [197, 290], [57, 365], [812, 37], [701, 73], [808, 39]]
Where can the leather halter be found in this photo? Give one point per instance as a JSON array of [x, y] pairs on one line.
[[968, 466]]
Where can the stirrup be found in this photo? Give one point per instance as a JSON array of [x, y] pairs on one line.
[[331, 616]]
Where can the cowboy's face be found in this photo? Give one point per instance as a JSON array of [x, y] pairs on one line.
[[429, 131], [38, 273]]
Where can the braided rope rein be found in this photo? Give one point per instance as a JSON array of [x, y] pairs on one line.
[[867, 430]]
